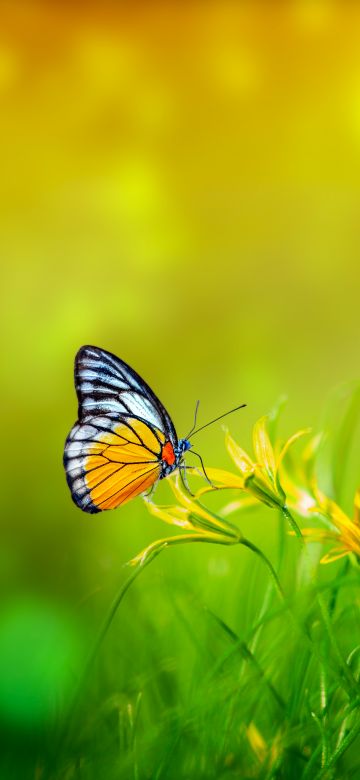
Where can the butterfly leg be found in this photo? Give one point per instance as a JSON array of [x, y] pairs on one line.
[[150, 492], [203, 469], [183, 477]]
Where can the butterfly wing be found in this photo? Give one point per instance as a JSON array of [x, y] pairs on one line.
[[107, 385], [108, 462], [113, 452]]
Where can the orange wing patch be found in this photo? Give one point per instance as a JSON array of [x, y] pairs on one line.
[[123, 486], [124, 463], [168, 454]]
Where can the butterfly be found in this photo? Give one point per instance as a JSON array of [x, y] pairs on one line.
[[124, 440]]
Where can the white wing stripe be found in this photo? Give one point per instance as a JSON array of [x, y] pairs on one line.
[[108, 404], [74, 448], [106, 387], [79, 486], [121, 372], [76, 467], [92, 352], [88, 387], [94, 376], [141, 407], [99, 365], [84, 432], [103, 422]]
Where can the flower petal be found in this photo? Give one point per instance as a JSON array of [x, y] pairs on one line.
[[259, 486], [288, 444], [239, 456], [331, 509], [334, 555], [264, 452], [242, 503], [317, 534], [357, 508], [188, 501], [225, 479], [309, 455], [256, 741], [201, 518], [174, 515]]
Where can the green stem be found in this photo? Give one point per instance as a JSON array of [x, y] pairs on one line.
[[268, 565], [248, 656], [346, 673], [114, 608], [294, 525], [281, 540], [309, 772], [217, 524], [139, 566], [99, 640], [335, 590], [353, 733]]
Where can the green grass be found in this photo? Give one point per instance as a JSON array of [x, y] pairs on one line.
[[199, 683], [206, 669]]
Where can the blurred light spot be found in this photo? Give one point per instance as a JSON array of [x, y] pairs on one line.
[[236, 71], [108, 64], [154, 109], [354, 112], [313, 15], [10, 564], [139, 188], [39, 653], [305, 502], [135, 201], [131, 191], [218, 567], [9, 68]]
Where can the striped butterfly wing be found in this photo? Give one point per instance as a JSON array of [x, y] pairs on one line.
[[108, 462], [113, 452]]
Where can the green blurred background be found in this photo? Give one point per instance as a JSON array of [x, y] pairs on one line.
[[179, 185]]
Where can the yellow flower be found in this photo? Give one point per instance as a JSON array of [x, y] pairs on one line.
[[190, 515], [201, 526], [298, 478], [343, 531], [260, 477], [263, 752], [257, 742]]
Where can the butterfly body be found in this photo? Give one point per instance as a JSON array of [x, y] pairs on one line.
[[124, 440], [172, 456]]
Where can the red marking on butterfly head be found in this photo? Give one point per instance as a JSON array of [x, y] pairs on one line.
[[168, 454]]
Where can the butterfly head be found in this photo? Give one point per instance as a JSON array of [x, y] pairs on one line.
[[183, 446], [172, 456]]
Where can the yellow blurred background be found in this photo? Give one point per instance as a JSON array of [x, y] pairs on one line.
[[179, 185]]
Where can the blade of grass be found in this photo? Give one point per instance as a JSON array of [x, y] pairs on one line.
[[343, 442], [249, 656], [347, 741], [139, 564], [286, 605], [348, 677]]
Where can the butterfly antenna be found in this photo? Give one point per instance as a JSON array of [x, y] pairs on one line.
[[216, 419], [195, 418]]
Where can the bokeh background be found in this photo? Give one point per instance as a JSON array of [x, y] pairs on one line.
[[179, 185]]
